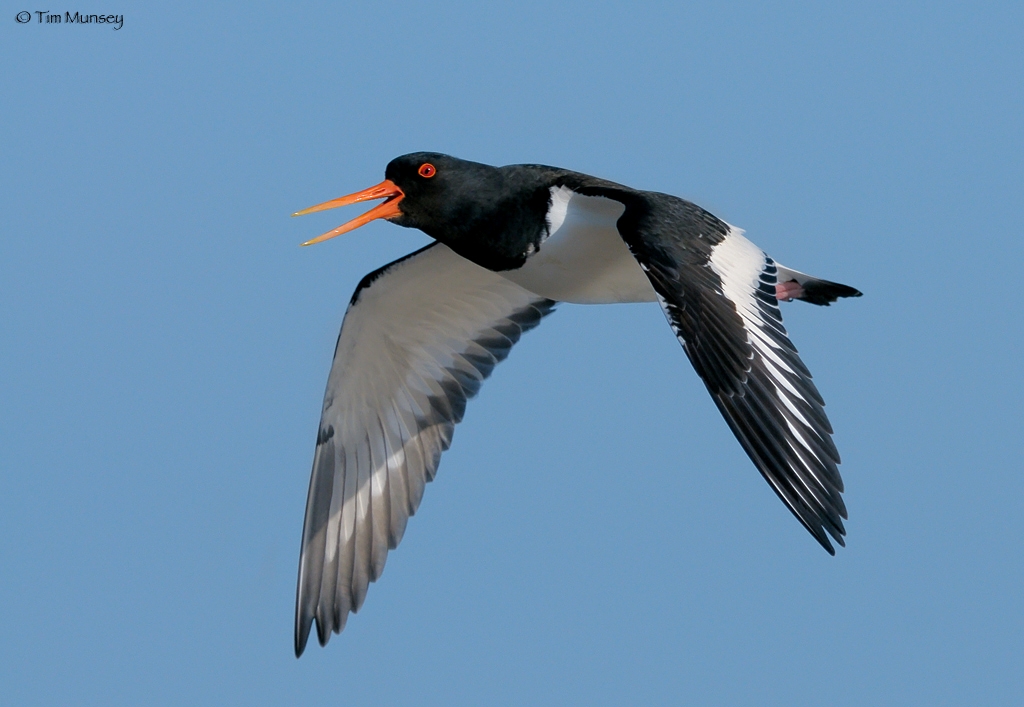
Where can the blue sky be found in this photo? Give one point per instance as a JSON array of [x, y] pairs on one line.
[[595, 535]]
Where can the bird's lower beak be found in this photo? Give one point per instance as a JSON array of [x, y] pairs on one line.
[[389, 209]]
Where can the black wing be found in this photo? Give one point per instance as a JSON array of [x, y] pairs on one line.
[[718, 292], [419, 337]]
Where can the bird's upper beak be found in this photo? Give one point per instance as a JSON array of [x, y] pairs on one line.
[[389, 209]]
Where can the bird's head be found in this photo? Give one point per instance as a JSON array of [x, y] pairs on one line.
[[435, 193]]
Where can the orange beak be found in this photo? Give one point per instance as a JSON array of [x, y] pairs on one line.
[[389, 209]]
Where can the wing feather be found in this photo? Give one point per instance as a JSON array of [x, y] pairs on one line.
[[419, 338], [717, 290]]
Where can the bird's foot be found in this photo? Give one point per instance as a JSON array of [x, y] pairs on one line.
[[788, 291]]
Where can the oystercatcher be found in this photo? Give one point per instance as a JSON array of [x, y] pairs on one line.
[[422, 333]]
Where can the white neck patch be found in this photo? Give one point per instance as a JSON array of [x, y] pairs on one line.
[[560, 198], [582, 258]]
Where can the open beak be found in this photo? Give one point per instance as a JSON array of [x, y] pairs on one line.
[[389, 209]]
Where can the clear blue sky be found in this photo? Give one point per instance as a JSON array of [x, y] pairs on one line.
[[595, 536]]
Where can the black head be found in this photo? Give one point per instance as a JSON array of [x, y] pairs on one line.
[[443, 195], [487, 214]]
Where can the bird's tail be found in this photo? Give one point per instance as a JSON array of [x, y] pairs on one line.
[[793, 284]]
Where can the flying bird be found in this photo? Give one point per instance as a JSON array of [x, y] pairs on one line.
[[422, 333]]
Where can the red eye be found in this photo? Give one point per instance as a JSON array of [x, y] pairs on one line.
[[427, 170]]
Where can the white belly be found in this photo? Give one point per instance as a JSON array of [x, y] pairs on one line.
[[584, 259]]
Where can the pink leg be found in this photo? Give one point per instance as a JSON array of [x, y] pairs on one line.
[[788, 291]]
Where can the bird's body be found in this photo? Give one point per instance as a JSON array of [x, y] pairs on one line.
[[423, 332], [580, 257]]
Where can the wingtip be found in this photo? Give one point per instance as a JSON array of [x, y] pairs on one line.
[[840, 540], [323, 632], [824, 542], [301, 636]]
